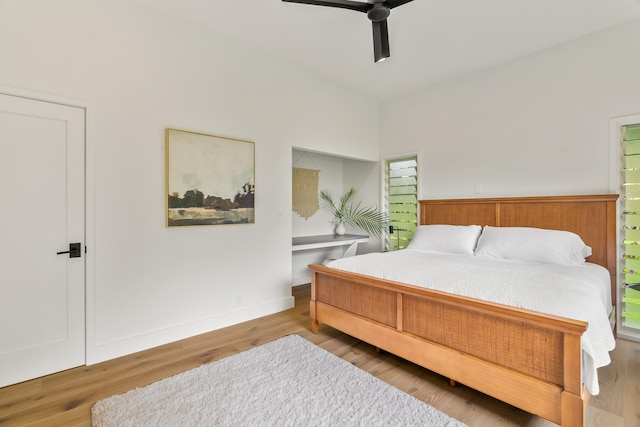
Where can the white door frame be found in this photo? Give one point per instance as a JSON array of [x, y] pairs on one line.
[[89, 212]]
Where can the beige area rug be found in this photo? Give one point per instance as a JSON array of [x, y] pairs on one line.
[[287, 382]]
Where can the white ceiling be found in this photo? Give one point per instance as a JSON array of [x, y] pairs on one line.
[[430, 40]]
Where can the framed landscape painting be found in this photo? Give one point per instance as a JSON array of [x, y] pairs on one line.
[[210, 179]]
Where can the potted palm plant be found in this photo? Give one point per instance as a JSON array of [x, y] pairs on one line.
[[346, 211]]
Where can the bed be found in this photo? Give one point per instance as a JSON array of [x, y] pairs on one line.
[[527, 358]]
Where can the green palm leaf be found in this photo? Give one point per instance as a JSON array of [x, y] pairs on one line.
[[366, 218]]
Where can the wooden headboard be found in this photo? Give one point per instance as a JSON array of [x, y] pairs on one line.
[[592, 217]]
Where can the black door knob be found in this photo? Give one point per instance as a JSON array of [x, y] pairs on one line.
[[74, 250]]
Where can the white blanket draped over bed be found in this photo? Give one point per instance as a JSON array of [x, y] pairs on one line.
[[575, 292]]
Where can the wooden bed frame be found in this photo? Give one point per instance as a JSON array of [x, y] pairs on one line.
[[528, 359]]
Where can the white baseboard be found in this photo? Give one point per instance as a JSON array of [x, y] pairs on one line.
[[111, 350]]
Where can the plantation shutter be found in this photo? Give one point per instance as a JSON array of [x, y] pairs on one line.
[[402, 200], [631, 226]]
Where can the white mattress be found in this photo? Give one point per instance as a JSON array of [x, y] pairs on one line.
[[576, 292]]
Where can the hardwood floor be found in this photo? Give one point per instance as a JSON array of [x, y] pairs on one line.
[[66, 398]]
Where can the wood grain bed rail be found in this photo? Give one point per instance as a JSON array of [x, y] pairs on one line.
[[529, 360]]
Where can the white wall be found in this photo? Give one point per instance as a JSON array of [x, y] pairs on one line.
[[337, 175], [142, 72], [533, 126], [365, 177], [330, 178]]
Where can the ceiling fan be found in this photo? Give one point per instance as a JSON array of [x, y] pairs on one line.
[[378, 11]]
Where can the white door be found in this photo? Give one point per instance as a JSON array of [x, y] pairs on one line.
[[42, 320]]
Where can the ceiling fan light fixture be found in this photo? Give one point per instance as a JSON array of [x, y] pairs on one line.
[[380, 41], [377, 11]]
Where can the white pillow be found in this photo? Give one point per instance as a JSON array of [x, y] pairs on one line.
[[532, 245], [455, 239]]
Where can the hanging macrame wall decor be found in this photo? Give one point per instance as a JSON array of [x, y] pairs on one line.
[[305, 192]]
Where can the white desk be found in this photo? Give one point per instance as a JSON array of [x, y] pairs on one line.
[[326, 241]]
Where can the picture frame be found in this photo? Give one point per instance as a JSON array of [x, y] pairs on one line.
[[210, 179]]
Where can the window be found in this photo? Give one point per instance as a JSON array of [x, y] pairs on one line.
[[630, 135], [401, 197]]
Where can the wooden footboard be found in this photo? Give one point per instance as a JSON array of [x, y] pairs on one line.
[[527, 359]]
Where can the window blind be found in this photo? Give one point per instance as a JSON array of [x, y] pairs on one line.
[[631, 224], [402, 200]]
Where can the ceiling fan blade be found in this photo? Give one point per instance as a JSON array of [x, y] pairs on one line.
[[395, 3], [380, 40], [344, 4]]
